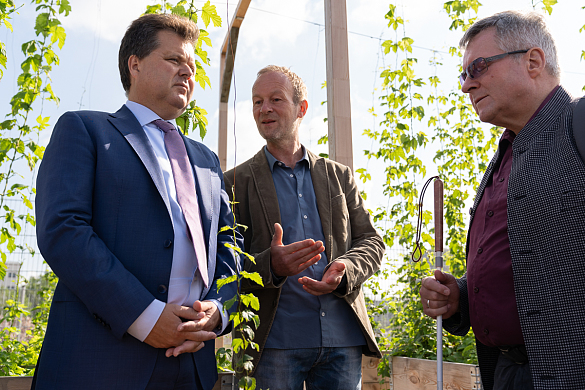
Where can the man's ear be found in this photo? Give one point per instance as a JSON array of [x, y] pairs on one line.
[[536, 61], [304, 105], [133, 65]]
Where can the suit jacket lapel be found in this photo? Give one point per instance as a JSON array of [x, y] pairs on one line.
[[265, 189], [127, 124], [323, 196]]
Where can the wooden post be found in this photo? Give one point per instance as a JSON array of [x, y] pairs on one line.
[[222, 136], [226, 68], [338, 98]]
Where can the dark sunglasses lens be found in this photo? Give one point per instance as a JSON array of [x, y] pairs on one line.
[[477, 67]]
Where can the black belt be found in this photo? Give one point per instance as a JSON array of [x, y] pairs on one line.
[[515, 353]]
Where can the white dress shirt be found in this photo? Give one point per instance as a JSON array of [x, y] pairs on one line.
[[185, 284]]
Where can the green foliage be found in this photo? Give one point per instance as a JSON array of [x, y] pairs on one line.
[[223, 357], [6, 9], [245, 320], [20, 350], [19, 132], [194, 116], [411, 102], [547, 5]]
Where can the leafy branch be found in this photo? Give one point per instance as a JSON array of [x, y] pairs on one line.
[[245, 320]]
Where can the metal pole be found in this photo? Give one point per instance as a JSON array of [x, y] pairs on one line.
[[438, 214]]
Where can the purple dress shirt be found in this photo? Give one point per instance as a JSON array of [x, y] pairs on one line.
[[490, 280]]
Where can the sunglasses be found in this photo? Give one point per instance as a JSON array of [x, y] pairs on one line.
[[480, 65]]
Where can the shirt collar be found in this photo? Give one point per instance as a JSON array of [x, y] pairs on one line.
[[272, 160], [144, 114]]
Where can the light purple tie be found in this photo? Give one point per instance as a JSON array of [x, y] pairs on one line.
[[186, 192]]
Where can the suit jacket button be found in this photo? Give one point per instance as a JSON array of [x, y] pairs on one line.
[[168, 243], [162, 289]]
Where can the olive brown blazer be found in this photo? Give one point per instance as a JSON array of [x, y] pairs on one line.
[[347, 227]]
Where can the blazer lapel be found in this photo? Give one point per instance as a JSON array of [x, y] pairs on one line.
[[127, 124], [323, 196], [265, 189]]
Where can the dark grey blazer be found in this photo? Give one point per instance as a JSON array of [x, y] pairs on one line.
[[546, 228]]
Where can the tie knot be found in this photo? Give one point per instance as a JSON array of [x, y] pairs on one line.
[[164, 125]]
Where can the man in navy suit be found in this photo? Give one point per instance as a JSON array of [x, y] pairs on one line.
[[134, 307]]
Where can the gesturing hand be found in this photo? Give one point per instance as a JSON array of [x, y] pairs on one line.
[[290, 260], [331, 279]]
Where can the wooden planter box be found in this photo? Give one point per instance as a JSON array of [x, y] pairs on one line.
[[407, 374], [15, 382], [420, 374]]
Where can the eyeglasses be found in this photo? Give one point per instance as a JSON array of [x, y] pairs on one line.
[[480, 65]]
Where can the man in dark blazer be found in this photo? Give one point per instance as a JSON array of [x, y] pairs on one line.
[[134, 308], [300, 208], [525, 246]]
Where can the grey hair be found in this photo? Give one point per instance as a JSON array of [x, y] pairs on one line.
[[517, 30], [299, 87]]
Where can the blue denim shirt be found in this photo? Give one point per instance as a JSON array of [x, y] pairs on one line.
[[303, 320]]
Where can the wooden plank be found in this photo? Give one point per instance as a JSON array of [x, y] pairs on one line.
[[419, 374], [370, 378], [222, 137], [226, 68], [236, 22], [338, 94], [226, 381], [15, 382]]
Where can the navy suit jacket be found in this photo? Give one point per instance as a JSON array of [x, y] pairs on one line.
[[104, 227]]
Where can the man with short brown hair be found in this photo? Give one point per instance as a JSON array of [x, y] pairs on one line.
[[129, 213]]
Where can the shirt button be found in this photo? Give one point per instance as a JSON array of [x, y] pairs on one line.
[[279, 164], [291, 175], [475, 289], [322, 314], [300, 195], [304, 216], [479, 250], [501, 179], [486, 331], [490, 213]]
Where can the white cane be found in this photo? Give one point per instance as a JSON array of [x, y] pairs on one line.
[[438, 215]]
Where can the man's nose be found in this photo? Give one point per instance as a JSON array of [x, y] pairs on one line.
[[186, 71], [266, 107], [469, 84]]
